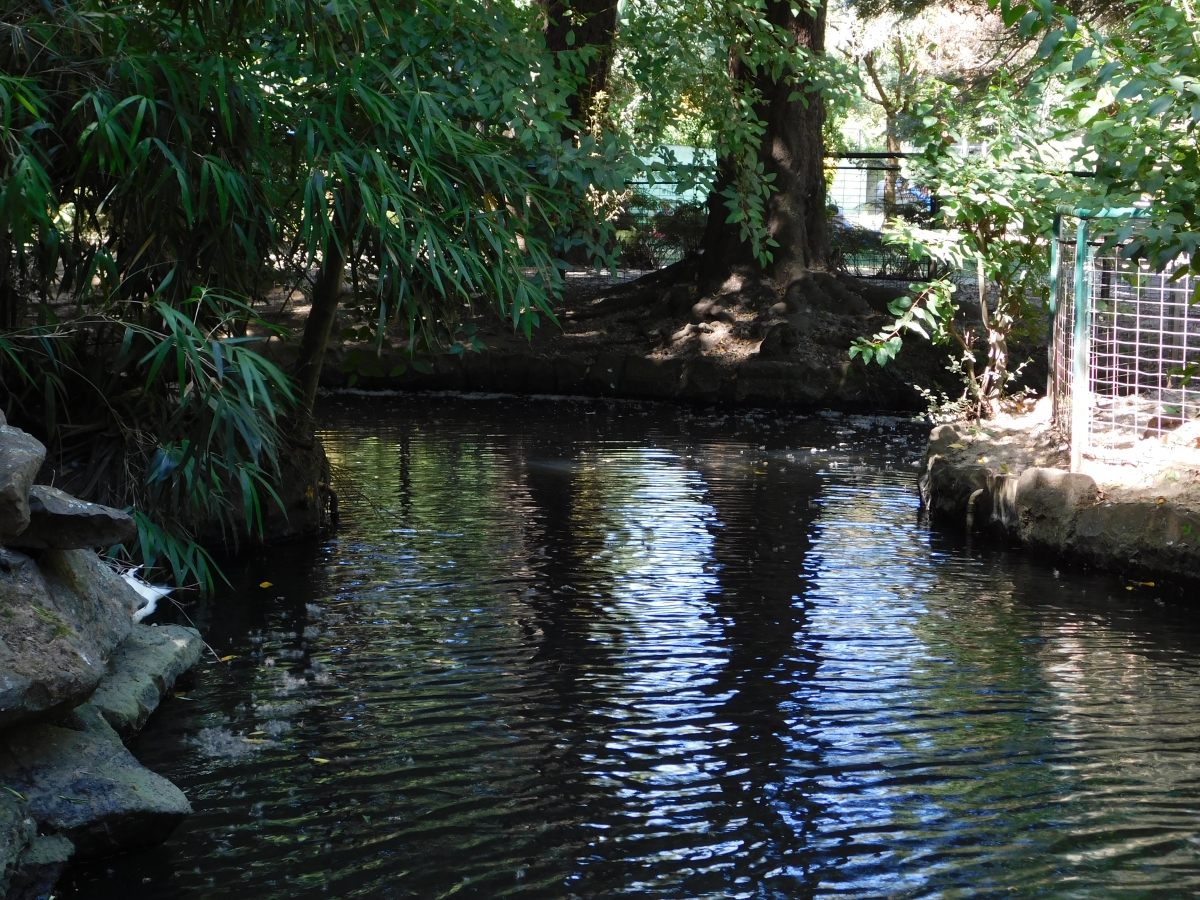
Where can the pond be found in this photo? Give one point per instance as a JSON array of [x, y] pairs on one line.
[[568, 649]]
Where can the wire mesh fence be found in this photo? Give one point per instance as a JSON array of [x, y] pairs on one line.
[[1062, 343], [1126, 339], [867, 190]]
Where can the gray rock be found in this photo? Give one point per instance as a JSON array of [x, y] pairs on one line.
[[17, 829], [941, 438], [21, 456], [56, 519], [40, 867], [84, 785], [141, 672], [60, 618], [947, 489], [1047, 504], [605, 374], [704, 379], [570, 375]]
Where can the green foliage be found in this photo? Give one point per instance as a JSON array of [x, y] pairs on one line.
[[990, 165], [1132, 91], [930, 314], [175, 416], [689, 73], [164, 165]]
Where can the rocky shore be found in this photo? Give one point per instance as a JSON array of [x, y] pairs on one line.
[[77, 676], [1011, 476]]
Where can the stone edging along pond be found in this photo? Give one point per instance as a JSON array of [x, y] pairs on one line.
[[753, 381], [970, 482], [78, 677]]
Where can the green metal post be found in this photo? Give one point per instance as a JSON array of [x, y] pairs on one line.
[[1081, 399], [1055, 262]]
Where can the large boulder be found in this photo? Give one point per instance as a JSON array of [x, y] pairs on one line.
[[21, 456], [81, 783], [56, 519], [39, 867], [60, 619], [141, 672], [947, 489], [1048, 503], [17, 829]]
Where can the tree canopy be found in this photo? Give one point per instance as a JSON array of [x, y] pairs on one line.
[[165, 166]]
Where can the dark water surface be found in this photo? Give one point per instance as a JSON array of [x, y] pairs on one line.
[[563, 649]]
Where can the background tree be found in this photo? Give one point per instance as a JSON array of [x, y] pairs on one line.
[[163, 166], [892, 84], [748, 80], [580, 34]]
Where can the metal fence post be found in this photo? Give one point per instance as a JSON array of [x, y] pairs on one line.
[[1055, 262], [1081, 400]]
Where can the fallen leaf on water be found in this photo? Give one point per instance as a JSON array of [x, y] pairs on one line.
[[16, 794], [229, 657], [254, 741], [257, 732], [318, 759], [266, 584], [73, 799]]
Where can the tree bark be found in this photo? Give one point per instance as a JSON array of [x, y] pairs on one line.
[[589, 23], [893, 163], [327, 292], [793, 151]]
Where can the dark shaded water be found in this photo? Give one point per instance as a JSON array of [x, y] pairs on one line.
[[561, 649]]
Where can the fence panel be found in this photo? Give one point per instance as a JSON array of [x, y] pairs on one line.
[[1141, 336], [661, 222]]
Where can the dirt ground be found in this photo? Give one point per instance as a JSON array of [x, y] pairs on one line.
[[742, 319]]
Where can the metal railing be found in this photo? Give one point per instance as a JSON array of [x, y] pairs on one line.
[[662, 221], [1124, 339]]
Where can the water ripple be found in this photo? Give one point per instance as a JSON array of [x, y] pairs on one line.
[[587, 650]]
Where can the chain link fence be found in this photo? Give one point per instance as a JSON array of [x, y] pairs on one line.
[[1125, 340]]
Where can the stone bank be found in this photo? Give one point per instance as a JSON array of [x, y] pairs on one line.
[[1011, 478], [77, 676]]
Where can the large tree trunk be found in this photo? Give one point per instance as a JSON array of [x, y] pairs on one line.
[[589, 23], [793, 151]]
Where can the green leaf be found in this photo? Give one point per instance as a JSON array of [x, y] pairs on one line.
[[1049, 42]]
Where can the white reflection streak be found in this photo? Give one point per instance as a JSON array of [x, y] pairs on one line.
[[667, 650]]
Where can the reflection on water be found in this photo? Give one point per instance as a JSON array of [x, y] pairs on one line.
[[560, 649]]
